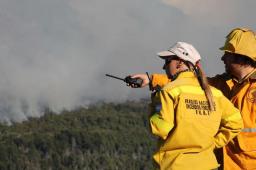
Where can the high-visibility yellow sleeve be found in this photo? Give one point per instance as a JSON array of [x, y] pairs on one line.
[[159, 79], [218, 81], [162, 121], [231, 123]]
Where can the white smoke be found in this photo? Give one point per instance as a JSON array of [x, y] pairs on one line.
[[55, 53], [215, 12]]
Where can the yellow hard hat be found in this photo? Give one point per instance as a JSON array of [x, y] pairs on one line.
[[241, 41]]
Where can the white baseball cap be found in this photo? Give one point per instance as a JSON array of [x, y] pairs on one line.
[[183, 50]]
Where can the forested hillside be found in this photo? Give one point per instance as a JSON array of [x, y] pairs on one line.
[[104, 136]]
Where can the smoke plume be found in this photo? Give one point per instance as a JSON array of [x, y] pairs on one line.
[[55, 53]]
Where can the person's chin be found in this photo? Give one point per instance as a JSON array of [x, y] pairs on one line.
[[227, 70]]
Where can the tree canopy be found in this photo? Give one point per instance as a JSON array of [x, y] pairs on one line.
[[104, 136]]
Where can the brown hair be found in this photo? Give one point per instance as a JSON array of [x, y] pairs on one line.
[[205, 86], [203, 83]]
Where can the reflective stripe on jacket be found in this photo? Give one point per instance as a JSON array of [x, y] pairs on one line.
[[189, 130]]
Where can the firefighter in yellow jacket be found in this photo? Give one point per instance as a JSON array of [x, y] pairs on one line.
[[239, 85], [190, 117]]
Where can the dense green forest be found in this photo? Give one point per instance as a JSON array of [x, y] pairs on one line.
[[104, 136]]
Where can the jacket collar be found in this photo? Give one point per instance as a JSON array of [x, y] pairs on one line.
[[186, 74]]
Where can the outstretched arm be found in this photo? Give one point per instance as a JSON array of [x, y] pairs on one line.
[[144, 77], [156, 80]]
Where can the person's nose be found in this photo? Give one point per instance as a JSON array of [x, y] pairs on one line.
[[164, 67], [224, 60]]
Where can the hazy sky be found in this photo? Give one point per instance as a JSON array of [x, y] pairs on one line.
[[55, 53]]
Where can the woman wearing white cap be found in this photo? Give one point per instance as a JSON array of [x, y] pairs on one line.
[[190, 117]]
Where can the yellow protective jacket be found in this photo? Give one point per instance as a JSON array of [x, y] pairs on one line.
[[188, 129], [240, 153]]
